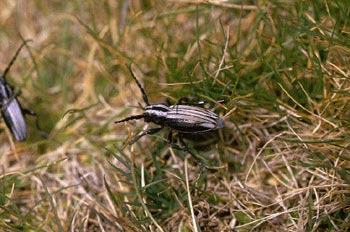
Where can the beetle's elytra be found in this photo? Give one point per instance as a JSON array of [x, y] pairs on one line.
[[182, 118], [11, 109]]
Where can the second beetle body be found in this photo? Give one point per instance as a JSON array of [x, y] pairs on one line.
[[182, 118], [11, 111]]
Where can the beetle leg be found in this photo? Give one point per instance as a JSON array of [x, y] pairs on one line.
[[183, 100], [32, 113], [184, 148], [167, 102], [146, 132], [182, 142], [170, 137], [171, 140], [186, 101], [197, 160], [29, 112]]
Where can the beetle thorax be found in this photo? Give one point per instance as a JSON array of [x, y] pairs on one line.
[[156, 113]]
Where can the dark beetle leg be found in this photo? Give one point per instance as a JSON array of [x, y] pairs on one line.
[[186, 101], [29, 112], [146, 132], [167, 102], [183, 100], [184, 148], [184, 145], [197, 160], [32, 113], [182, 142], [170, 137]]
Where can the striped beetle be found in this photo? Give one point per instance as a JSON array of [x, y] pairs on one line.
[[11, 109], [180, 117]]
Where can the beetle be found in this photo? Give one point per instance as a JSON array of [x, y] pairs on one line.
[[11, 109], [180, 117]]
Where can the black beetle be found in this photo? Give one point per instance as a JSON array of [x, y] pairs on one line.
[[180, 117], [11, 109]]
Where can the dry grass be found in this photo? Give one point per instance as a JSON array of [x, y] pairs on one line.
[[282, 67]]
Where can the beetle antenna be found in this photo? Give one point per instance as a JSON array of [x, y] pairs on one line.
[[144, 95], [14, 57], [130, 118]]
